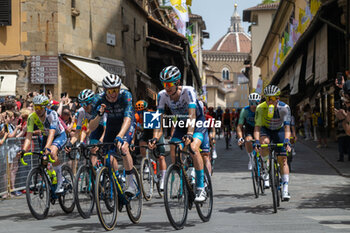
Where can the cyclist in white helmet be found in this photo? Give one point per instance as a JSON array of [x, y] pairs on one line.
[[54, 135], [120, 127], [247, 119], [274, 128], [182, 101]]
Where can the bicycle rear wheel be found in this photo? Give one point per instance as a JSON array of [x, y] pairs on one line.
[[38, 193], [273, 185], [205, 208], [134, 207], [106, 199], [159, 179], [255, 178], [66, 199], [261, 175], [175, 197], [84, 191], [146, 177]]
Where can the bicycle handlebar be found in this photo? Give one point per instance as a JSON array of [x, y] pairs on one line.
[[35, 153], [272, 145]]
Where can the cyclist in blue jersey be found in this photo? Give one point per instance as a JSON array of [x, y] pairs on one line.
[[182, 102], [120, 127], [83, 116], [247, 118], [54, 135]]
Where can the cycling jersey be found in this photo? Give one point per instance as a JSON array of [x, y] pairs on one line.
[[281, 116], [227, 118], [82, 118], [115, 114], [187, 100], [247, 116], [51, 122]]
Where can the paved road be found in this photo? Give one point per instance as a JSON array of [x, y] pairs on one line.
[[320, 203]]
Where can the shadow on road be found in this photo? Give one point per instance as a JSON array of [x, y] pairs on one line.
[[259, 209]]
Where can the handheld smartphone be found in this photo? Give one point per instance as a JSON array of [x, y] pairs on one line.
[[339, 78], [31, 94], [62, 94], [41, 91]]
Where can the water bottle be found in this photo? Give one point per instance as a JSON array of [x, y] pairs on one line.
[[270, 111], [52, 173], [191, 175], [214, 155]]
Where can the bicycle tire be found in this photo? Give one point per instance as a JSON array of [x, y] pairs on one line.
[[137, 200], [278, 185], [146, 179], [103, 196], [85, 185], [68, 195], [43, 189], [273, 184], [255, 179], [261, 179], [160, 192], [181, 193], [205, 217]]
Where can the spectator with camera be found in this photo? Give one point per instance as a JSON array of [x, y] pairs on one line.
[[342, 113]]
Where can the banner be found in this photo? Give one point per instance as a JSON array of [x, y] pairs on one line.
[[259, 86], [181, 10]]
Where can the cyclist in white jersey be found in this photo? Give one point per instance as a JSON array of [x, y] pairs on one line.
[[182, 101]]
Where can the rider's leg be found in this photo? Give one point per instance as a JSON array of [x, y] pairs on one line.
[[249, 149], [93, 156], [206, 161], [142, 149], [198, 162], [264, 152]]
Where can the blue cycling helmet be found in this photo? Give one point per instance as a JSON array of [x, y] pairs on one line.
[[86, 96], [170, 74]]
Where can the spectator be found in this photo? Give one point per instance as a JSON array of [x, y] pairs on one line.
[[306, 121], [321, 133], [343, 142]]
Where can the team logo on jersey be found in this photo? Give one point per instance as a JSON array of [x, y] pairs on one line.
[[151, 120]]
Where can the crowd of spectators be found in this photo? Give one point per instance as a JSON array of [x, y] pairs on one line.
[[14, 113]]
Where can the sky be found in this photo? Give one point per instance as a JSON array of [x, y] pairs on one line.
[[217, 16]]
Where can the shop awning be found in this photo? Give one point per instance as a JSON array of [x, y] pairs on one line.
[[8, 80], [88, 68]]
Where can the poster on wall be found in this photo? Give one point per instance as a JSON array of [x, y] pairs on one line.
[[44, 69]]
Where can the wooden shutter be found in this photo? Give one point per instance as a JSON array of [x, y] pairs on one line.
[[5, 12]]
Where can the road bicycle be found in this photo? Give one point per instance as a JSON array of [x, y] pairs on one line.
[[227, 135], [84, 183], [180, 187], [275, 174], [40, 188], [150, 173], [110, 194]]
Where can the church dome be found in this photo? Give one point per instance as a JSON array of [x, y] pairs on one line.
[[235, 40]]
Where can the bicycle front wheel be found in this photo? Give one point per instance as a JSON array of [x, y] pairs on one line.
[[175, 197], [255, 179], [146, 177], [106, 199], [273, 185], [84, 191], [38, 193], [66, 199], [134, 206], [205, 208]]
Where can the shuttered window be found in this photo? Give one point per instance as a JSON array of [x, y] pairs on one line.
[[5, 12]]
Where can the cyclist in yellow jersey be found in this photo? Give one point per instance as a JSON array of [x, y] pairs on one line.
[[272, 123]]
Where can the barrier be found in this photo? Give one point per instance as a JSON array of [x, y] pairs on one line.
[[11, 169]]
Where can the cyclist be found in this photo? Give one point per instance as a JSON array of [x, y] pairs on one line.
[[275, 128], [54, 135], [218, 113], [208, 141], [227, 122], [146, 135], [182, 101], [120, 127], [83, 116], [247, 118]]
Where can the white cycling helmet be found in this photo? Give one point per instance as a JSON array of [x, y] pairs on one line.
[[254, 97], [41, 100], [86, 96], [272, 90], [170, 74], [111, 81]]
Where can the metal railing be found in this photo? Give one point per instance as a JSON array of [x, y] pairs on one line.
[[11, 170]]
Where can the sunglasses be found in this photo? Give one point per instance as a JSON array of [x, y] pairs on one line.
[[112, 90], [273, 98], [38, 107], [167, 85]]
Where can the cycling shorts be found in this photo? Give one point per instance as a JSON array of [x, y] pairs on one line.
[[205, 146], [275, 136], [59, 141], [248, 130], [181, 132], [96, 134]]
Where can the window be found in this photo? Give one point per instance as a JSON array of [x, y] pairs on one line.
[[5, 12], [225, 74]]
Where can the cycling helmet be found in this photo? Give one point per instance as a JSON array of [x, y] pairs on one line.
[[272, 90], [86, 96], [211, 109], [170, 74], [254, 97], [227, 110], [41, 100], [141, 105], [111, 81]]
